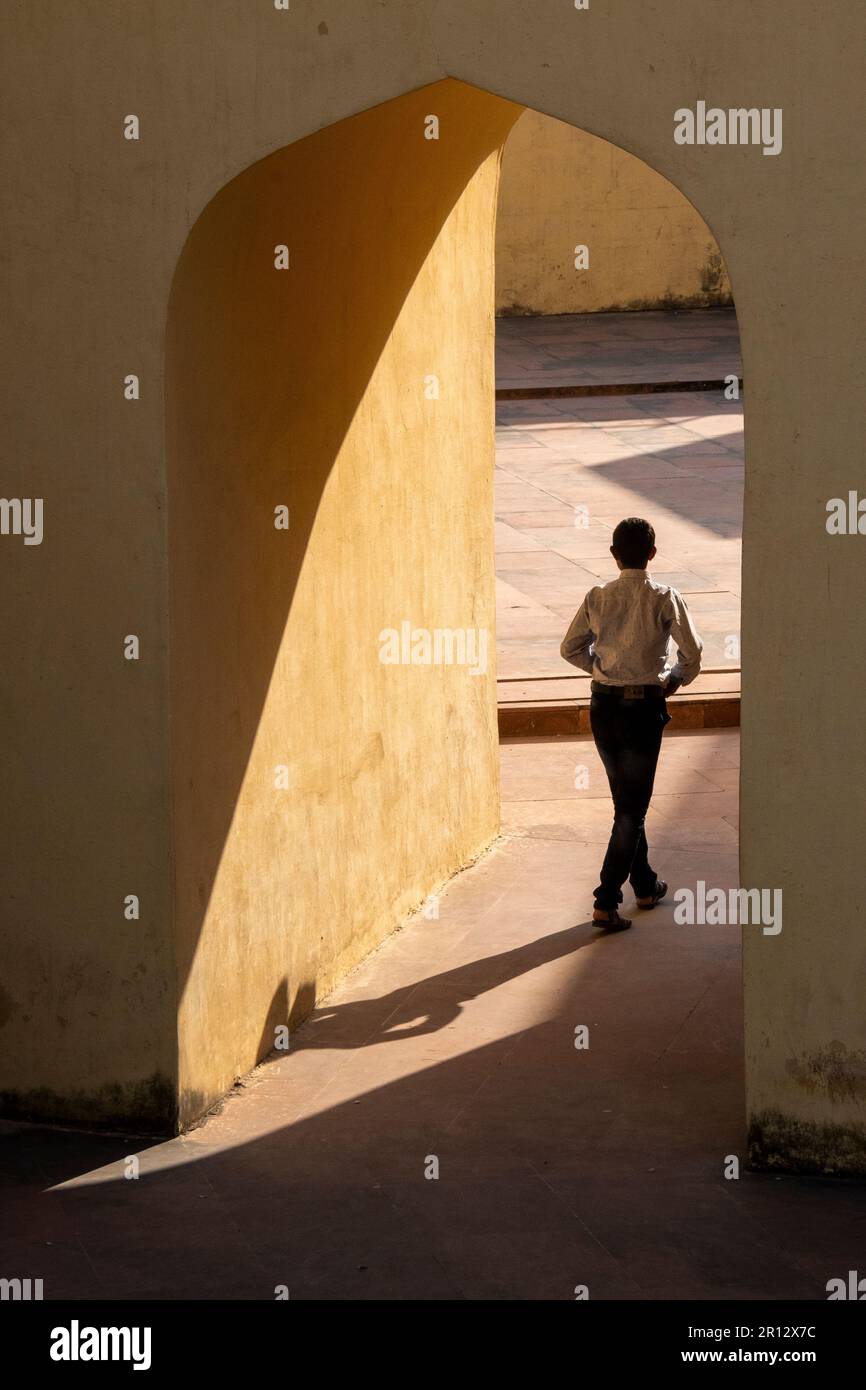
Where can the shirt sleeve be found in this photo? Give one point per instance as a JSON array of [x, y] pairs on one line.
[[688, 643], [577, 644]]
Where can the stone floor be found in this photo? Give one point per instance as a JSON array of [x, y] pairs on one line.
[[600, 349], [454, 1042], [568, 469]]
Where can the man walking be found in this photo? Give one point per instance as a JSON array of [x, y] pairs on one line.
[[620, 635]]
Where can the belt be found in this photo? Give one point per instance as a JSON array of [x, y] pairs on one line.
[[628, 692]]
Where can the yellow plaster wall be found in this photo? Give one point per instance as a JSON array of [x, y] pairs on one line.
[[320, 794], [561, 187]]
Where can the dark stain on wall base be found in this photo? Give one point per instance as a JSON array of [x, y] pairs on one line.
[[782, 1144], [666, 303], [143, 1107]]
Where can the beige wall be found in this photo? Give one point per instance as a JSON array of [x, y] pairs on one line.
[[95, 227], [561, 188]]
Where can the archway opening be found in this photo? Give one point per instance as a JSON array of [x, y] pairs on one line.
[[330, 397]]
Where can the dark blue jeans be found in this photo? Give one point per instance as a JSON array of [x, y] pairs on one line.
[[628, 736]]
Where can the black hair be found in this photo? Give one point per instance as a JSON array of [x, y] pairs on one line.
[[633, 540]]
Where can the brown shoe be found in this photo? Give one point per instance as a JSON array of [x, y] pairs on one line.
[[613, 922], [660, 892]]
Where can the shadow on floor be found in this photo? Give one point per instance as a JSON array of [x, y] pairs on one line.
[[556, 1167]]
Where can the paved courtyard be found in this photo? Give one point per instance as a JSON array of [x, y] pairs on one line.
[[569, 468], [613, 349]]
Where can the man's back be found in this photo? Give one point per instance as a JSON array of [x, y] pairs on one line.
[[621, 631]]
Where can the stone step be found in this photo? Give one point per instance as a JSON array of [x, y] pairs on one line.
[[560, 705], [616, 388]]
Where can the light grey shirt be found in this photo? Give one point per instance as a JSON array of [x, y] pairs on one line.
[[622, 632]]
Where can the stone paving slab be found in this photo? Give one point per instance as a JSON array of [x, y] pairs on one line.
[[598, 349], [568, 471], [675, 456]]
